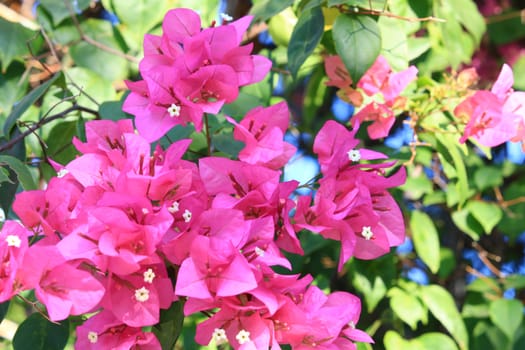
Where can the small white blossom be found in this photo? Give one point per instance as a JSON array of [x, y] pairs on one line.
[[62, 172], [367, 233], [226, 17], [145, 211], [2, 215], [259, 251], [354, 155], [174, 110], [93, 337], [142, 294], [243, 336], [187, 215], [149, 276], [219, 336], [13, 241], [174, 207]]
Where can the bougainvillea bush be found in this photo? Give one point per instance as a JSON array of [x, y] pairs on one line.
[[152, 197]]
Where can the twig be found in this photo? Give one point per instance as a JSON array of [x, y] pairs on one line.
[[356, 10], [95, 43], [484, 257], [44, 121]]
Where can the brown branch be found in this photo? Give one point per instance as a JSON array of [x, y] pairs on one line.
[[44, 121]]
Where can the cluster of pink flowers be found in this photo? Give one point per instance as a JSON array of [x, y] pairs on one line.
[[123, 232], [377, 93], [496, 116], [188, 71]]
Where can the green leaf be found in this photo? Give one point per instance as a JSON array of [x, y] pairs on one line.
[[447, 262], [14, 40], [3, 309], [62, 9], [21, 170], [13, 86], [507, 315], [225, 142], [306, 36], [170, 325], [487, 177], [266, 9], [426, 239], [94, 89], [358, 42], [377, 5], [4, 176], [88, 56], [514, 281], [112, 110], [466, 222], [442, 306], [487, 214], [448, 146], [407, 307], [435, 341], [394, 341], [37, 333], [394, 42], [26, 102]]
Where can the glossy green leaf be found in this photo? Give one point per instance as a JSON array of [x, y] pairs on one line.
[[266, 9], [358, 42], [426, 239], [62, 9], [407, 307], [14, 39], [21, 170], [441, 304], [170, 325], [37, 333], [306, 36], [26, 102], [507, 315], [487, 214]]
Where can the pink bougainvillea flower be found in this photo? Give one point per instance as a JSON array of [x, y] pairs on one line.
[[496, 116], [13, 246], [262, 131], [104, 331]]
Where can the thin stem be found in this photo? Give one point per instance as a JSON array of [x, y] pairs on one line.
[[208, 136]]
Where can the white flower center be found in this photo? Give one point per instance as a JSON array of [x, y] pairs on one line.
[[174, 110], [219, 336], [142, 294], [243, 336], [259, 251], [93, 337], [145, 211], [354, 155], [367, 233], [149, 275], [13, 241], [174, 207], [62, 172], [187, 215], [226, 17]]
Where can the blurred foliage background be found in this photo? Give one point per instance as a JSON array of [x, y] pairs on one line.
[[458, 282]]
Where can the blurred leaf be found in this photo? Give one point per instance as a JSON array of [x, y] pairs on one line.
[[225, 142], [94, 89], [512, 222], [26, 102], [266, 9], [507, 315], [62, 9], [394, 341], [486, 336], [306, 36], [514, 281], [377, 5], [426, 239], [170, 325], [435, 341], [88, 56], [415, 187], [394, 42], [448, 147], [505, 27], [13, 85], [447, 262], [407, 307], [358, 43], [112, 110], [21, 170], [37, 333], [518, 68], [3, 309], [488, 177], [442, 306], [14, 39], [487, 214]]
